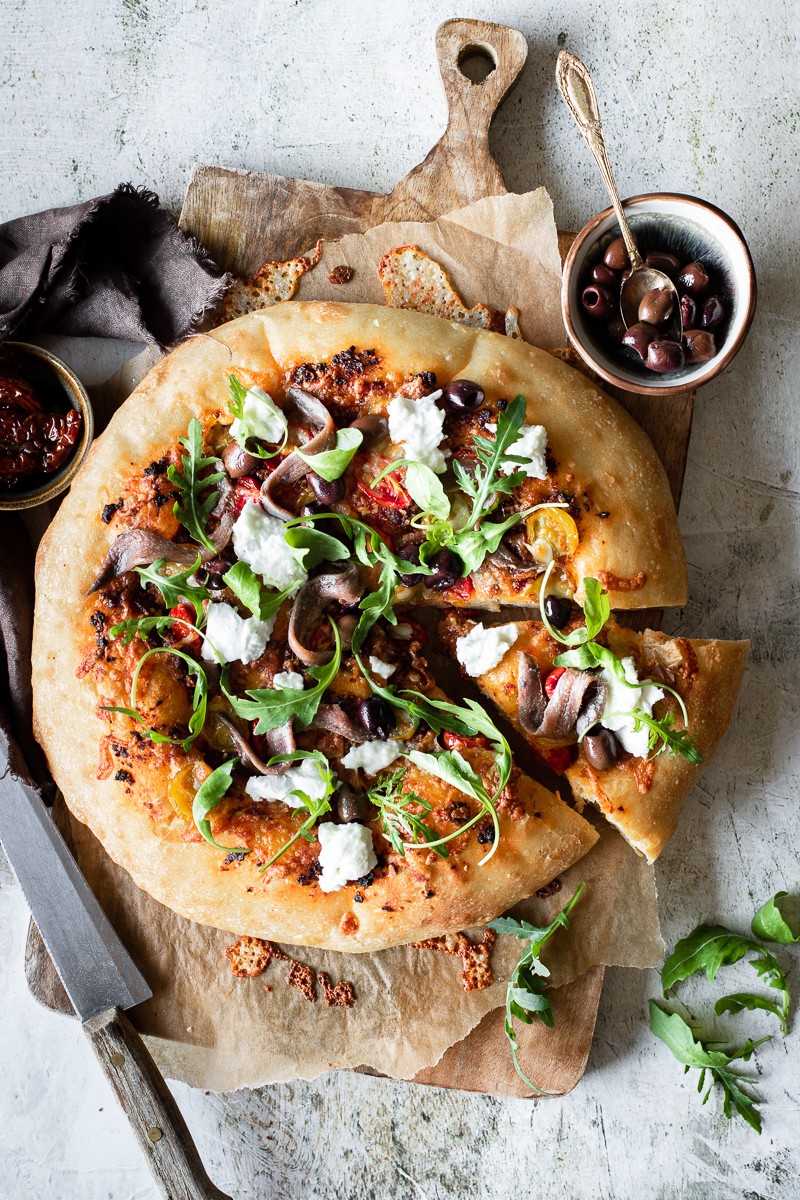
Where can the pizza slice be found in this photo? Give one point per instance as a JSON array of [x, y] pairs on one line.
[[631, 719]]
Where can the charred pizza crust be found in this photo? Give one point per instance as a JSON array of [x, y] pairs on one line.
[[643, 800]]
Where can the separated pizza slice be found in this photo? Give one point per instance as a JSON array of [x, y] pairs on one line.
[[631, 719]]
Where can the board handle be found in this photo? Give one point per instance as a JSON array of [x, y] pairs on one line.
[[460, 168], [149, 1105]]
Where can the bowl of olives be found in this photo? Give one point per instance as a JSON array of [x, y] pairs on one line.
[[683, 338]]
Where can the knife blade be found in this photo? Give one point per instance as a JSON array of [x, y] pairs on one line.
[[95, 968], [101, 980]]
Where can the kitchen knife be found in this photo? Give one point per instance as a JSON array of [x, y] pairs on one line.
[[101, 981]]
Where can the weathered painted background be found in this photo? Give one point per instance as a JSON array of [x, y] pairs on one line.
[[699, 95]]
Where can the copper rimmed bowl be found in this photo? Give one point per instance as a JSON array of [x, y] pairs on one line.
[[693, 230], [72, 394]]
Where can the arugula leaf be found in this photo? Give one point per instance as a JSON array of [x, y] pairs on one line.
[[332, 464], [273, 707], [397, 821], [770, 924], [315, 807], [312, 547], [664, 737], [208, 796], [192, 511], [488, 482], [199, 697], [247, 587], [144, 626], [241, 435], [453, 769], [525, 993], [423, 486], [709, 947], [685, 1044], [176, 587]]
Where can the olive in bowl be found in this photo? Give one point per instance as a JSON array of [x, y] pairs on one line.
[[46, 425], [703, 253]]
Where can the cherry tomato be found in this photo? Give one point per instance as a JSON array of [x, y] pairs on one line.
[[552, 679], [558, 758], [389, 493], [245, 489], [462, 589], [454, 741], [187, 638]]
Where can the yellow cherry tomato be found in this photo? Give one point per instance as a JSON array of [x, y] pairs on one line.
[[551, 533], [183, 786]]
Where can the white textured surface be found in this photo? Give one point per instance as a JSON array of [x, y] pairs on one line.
[[108, 90]]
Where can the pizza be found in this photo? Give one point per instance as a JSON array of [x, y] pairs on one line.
[[629, 719], [239, 703]]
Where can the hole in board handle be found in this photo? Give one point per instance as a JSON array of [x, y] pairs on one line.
[[476, 63]]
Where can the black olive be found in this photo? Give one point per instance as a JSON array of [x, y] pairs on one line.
[[688, 312], [463, 393], [699, 345], [377, 716], [558, 610], [605, 276], [597, 301], [668, 264], [410, 552], [638, 337], [313, 509], [693, 278], [664, 356], [447, 568], [713, 313], [601, 748], [351, 805], [326, 492], [616, 255], [656, 306]]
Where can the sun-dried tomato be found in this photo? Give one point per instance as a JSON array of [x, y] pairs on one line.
[[462, 589], [454, 741], [35, 443], [182, 635], [245, 489], [557, 758]]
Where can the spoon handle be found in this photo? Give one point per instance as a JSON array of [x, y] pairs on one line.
[[575, 84]]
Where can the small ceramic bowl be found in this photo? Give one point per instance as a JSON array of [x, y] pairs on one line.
[[73, 395], [693, 230]]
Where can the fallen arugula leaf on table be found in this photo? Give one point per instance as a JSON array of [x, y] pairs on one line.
[[708, 1057], [709, 947], [770, 924], [526, 998]]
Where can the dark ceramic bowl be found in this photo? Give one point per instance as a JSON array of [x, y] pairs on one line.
[[71, 394], [693, 230]]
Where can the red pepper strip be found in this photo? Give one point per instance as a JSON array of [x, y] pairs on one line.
[[557, 759], [389, 493], [454, 741], [462, 589], [181, 634], [552, 679], [247, 488]]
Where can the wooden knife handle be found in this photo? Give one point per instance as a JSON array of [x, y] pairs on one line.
[[148, 1104]]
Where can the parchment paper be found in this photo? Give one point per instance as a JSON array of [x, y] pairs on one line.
[[215, 1031]]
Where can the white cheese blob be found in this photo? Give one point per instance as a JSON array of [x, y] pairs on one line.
[[346, 853], [234, 638], [379, 667], [261, 418], [531, 445], [481, 649], [373, 756], [418, 425], [402, 631], [305, 777], [289, 679], [258, 540], [620, 703]]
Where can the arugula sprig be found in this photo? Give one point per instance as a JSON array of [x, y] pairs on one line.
[[709, 1058], [273, 707], [710, 947], [422, 484], [315, 807], [488, 482], [771, 925], [199, 696], [207, 797], [247, 587], [400, 825], [193, 507], [178, 586], [526, 998], [586, 654], [332, 464], [452, 768]]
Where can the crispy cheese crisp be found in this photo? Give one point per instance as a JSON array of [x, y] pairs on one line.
[[411, 279], [275, 281]]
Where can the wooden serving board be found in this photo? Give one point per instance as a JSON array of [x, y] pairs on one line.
[[246, 219]]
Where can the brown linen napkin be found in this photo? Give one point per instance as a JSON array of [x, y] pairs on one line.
[[117, 266], [16, 631]]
